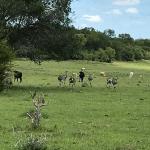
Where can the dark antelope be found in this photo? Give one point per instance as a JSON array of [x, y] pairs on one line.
[[17, 76]]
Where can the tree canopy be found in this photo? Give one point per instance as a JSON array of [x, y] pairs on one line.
[[40, 29]]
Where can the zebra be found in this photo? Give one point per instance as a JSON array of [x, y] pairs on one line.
[[90, 79], [62, 78], [72, 80], [113, 81]]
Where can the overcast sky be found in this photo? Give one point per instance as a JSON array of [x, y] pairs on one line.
[[124, 16]]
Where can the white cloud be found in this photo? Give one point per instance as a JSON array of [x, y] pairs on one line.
[[93, 18], [116, 12], [126, 2], [132, 10]]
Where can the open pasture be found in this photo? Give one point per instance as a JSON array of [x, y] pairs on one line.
[[85, 118]]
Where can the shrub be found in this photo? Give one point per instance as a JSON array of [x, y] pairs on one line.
[[35, 115], [110, 54], [88, 55], [32, 143], [5, 58], [138, 53]]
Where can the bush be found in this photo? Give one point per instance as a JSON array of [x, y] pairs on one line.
[[110, 54], [5, 58], [127, 54], [87, 55], [101, 55], [138, 53], [32, 143], [106, 55]]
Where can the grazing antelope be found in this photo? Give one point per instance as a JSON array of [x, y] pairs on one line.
[[17, 75]]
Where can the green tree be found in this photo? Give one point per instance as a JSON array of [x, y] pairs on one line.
[[96, 40], [127, 54], [138, 53], [101, 55], [110, 54], [80, 40], [25, 13], [126, 38], [34, 23], [110, 33], [5, 58]]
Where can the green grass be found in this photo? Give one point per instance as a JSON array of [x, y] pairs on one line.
[[86, 118]]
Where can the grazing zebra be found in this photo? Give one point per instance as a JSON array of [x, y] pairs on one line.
[[72, 80], [112, 82], [62, 78], [90, 79], [17, 75]]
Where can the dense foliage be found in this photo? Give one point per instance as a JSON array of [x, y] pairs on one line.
[[5, 58], [40, 29], [31, 26], [63, 43]]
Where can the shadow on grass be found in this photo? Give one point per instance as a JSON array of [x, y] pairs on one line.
[[53, 89], [65, 89]]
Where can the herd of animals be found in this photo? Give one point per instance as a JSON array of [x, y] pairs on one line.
[[73, 78]]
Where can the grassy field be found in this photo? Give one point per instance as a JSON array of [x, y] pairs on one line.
[[86, 118]]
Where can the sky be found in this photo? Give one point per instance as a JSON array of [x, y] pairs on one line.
[[123, 16]]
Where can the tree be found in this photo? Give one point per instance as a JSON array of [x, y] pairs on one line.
[[127, 54], [126, 38], [25, 13], [96, 40], [5, 58], [110, 33], [101, 55], [110, 54], [33, 23], [138, 53], [80, 40]]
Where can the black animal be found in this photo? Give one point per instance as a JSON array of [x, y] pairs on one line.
[[17, 76], [112, 82], [81, 76]]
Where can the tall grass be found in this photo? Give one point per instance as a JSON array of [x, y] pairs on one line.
[[86, 118]]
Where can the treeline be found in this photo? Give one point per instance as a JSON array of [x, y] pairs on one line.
[[40, 30], [63, 43]]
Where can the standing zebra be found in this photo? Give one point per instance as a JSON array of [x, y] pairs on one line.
[[72, 80], [90, 79], [62, 78], [113, 81]]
